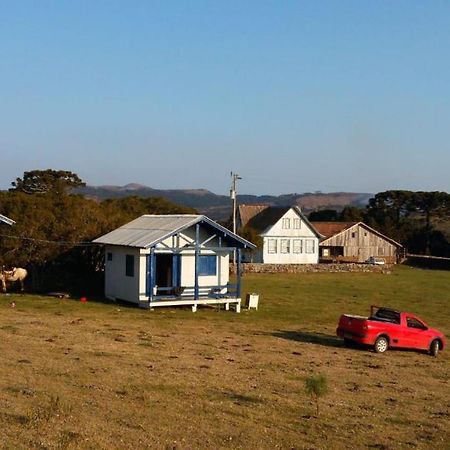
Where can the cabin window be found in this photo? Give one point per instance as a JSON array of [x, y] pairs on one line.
[[109, 256], [272, 246], [286, 224], [297, 246], [353, 234], [207, 265], [309, 246], [129, 265], [297, 224], [285, 246]]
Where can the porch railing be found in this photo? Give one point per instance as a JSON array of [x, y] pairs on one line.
[[229, 290]]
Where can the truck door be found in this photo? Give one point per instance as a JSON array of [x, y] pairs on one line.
[[415, 333]]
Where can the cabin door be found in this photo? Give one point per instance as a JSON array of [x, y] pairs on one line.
[[163, 271], [167, 272]]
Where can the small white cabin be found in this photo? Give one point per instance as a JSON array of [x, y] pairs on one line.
[[288, 237], [167, 260]]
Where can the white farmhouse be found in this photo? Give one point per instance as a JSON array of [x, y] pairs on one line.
[[288, 237], [167, 260]]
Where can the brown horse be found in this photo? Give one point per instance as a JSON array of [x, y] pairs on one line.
[[16, 274]]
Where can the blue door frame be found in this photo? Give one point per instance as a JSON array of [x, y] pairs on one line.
[[151, 272]]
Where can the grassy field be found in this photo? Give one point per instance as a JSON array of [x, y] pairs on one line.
[[101, 375]]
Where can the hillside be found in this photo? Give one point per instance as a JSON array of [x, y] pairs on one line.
[[218, 206]]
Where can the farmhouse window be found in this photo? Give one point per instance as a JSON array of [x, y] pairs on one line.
[[353, 234], [109, 256], [297, 246], [286, 223], [309, 246], [285, 246], [207, 265], [272, 246], [129, 265], [297, 224]]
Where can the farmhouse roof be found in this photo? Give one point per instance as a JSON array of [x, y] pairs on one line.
[[6, 220], [330, 229], [262, 217], [148, 230], [248, 212], [267, 217]]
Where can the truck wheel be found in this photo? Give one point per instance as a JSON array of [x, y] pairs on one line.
[[434, 348], [381, 344]]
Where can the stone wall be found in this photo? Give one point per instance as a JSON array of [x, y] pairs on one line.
[[311, 268]]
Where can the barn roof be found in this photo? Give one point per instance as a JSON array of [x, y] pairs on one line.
[[148, 230], [6, 220], [328, 229]]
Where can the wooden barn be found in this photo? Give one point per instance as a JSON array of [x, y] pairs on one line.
[[354, 242], [167, 260]]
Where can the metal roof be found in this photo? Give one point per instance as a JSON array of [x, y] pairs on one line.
[[148, 230], [7, 220]]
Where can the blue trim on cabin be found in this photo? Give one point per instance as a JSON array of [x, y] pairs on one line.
[[150, 274], [176, 270], [238, 273], [197, 252]]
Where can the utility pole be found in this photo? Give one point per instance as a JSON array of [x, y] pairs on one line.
[[233, 196]]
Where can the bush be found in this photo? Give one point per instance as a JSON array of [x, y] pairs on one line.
[[316, 386]]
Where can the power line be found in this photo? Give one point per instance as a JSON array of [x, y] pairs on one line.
[[44, 241]]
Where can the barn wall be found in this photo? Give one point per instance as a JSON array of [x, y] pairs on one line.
[[360, 243]]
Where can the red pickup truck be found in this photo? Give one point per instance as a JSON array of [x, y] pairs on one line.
[[387, 327]]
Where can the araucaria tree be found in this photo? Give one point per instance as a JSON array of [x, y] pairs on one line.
[[47, 181]]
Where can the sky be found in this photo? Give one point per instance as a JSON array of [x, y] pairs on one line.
[[294, 96]]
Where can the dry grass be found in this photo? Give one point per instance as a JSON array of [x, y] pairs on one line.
[[105, 376]]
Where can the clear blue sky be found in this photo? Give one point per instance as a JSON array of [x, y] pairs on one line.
[[295, 96]]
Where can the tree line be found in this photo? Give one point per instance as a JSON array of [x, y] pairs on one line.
[[54, 229], [415, 219]]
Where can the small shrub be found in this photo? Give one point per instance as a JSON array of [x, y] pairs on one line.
[[316, 386]]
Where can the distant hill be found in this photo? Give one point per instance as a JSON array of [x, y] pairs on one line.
[[218, 207]]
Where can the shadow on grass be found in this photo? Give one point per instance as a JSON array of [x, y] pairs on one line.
[[310, 338]]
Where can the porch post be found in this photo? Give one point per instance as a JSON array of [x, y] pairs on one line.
[[175, 270], [238, 273], [197, 251], [219, 265], [151, 274]]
